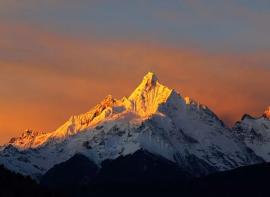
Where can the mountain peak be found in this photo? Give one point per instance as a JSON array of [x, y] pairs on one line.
[[150, 78], [267, 112], [149, 81], [148, 96], [109, 100], [247, 116]]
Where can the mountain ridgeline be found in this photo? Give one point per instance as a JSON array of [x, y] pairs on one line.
[[144, 173], [153, 136]]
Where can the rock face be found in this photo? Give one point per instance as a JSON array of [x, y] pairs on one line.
[[255, 133], [153, 118]]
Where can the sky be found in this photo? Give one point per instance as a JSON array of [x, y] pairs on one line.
[[61, 57]]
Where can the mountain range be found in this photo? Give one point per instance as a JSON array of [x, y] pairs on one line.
[[155, 124]]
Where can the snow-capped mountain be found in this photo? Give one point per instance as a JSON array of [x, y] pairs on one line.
[[255, 133], [153, 118]]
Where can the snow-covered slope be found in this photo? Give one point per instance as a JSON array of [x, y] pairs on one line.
[[154, 117], [255, 133]]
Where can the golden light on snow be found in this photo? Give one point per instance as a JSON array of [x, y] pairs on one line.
[[267, 112], [41, 90]]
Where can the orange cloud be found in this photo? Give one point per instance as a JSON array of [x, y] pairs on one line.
[[47, 77]]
